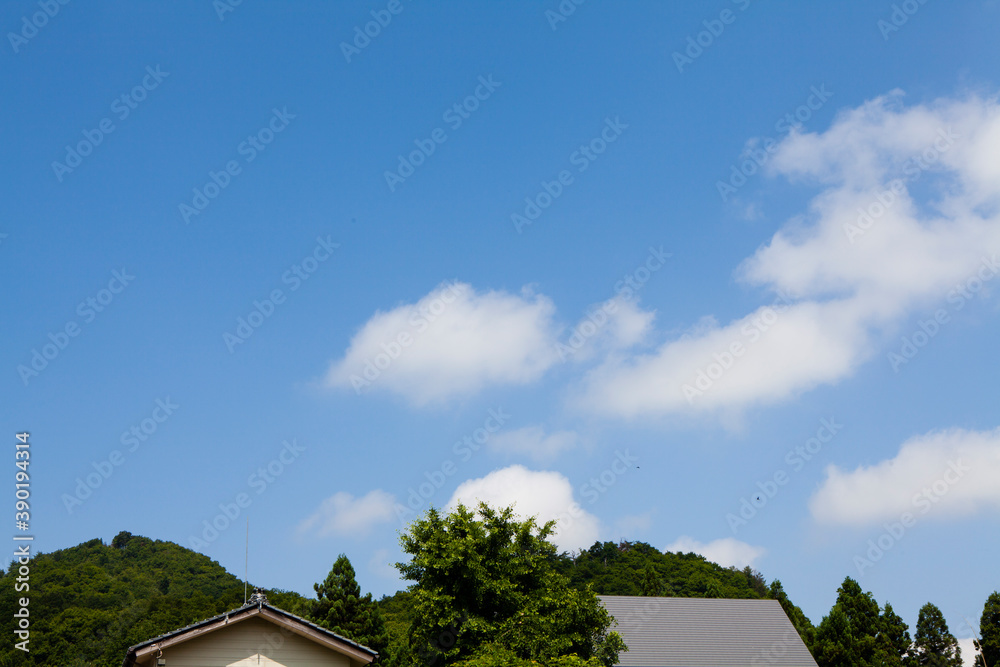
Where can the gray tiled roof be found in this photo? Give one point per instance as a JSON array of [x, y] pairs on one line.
[[705, 632]]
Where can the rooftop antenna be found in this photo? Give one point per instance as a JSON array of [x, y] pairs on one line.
[[246, 564]]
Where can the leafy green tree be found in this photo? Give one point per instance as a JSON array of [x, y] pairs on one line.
[[486, 587], [933, 644], [989, 632], [498, 656], [121, 540], [341, 608]]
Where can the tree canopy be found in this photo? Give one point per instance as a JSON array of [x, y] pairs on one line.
[[933, 644], [989, 632], [487, 590], [341, 608], [857, 633]]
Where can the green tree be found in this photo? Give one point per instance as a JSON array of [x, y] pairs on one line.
[[486, 587], [651, 585], [989, 633], [340, 607], [834, 645], [848, 635], [933, 644], [756, 581], [893, 640]]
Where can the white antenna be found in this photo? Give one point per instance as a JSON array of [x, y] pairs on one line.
[[246, 564]]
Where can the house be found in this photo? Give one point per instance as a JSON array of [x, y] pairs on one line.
[[705, 632], [256, 634]]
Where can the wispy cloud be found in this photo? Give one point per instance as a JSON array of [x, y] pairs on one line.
[[534, 442], [344, 515]]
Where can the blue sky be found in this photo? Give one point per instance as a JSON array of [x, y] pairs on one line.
[[637, 267]]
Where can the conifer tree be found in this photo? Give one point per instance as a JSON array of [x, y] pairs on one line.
[[894, 643], [989, 632], [934, 645], [651, 584], [848, 635], [341, 608]]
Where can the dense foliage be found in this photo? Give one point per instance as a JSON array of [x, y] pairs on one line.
[[341, 608], [988, 643], [636, 568], [487, 588], [857, 633], [934, 645], [89, 603]]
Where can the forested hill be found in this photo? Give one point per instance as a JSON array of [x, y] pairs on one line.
[[90, 602], [636, 568]]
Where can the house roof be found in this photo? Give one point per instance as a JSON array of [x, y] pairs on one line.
[[255, 608], [705, 632]]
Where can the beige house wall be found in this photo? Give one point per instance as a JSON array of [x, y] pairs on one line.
[[251, 643]]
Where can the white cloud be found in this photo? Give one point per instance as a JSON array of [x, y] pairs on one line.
[[615, 324], [547, 495], [849, 280], [344, 515], [952, 472], [727, 551], [532, 441], [969, 651], [451, 342]]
